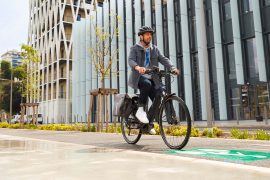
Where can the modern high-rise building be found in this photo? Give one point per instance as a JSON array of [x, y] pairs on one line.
[[50, 32], [12, 56], [222, 48]]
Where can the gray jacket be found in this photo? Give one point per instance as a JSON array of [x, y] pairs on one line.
[[137, 58]]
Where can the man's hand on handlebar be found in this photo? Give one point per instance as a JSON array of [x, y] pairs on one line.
[[141, 70], [175, 71]]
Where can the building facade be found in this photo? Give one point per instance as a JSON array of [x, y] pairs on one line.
[[50, 32], [13, 57], [222, 48]]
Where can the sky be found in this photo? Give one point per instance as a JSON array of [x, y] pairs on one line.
[[14, 17]]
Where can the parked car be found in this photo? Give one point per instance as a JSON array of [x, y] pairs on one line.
[[17, 118], [39, 118]]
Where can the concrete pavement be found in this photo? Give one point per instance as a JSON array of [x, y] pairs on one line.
[[76, 155]]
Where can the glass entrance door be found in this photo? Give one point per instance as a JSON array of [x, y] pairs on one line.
[[255, 98]]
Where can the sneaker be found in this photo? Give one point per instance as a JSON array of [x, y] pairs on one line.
[[152, 131], [141, 116]]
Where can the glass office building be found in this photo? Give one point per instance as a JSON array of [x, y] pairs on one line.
[[222, 48]]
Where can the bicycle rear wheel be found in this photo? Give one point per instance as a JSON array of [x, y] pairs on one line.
[[130, 130], [174, 122]]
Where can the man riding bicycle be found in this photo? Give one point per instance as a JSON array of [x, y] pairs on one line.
[[142, 56]]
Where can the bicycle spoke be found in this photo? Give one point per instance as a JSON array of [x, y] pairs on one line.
[[175, 124], [130, 130]]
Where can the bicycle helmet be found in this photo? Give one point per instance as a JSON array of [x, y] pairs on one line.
[[145, 29]]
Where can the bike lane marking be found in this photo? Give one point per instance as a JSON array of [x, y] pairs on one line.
[[236, 155]]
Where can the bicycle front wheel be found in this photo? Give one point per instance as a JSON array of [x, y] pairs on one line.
[[174, 122], [130, 130]]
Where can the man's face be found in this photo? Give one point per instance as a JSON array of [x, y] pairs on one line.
[[147, 37]]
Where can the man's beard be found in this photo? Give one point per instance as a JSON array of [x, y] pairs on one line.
[[146, 43]]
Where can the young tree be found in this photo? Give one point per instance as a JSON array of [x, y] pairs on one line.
[[30, 77], [104, 59], [5, 72], [5, 88], [103, 56]]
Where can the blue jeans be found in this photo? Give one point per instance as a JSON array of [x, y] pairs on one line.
[[147, 89]]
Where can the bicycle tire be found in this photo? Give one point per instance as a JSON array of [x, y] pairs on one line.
[[128, 138], [165, 132]]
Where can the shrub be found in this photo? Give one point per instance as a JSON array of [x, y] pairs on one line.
[[194, 132], [156, 127], [84, 129], [217, 132], [244, 134], [210, 134], [261, 135], [30, 126], [113, 129], [205, 131], [118, 129], [4, 125], [213, 132], [93, 128], [236, 133], [14, 126]]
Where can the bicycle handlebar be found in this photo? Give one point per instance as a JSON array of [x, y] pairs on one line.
[[156, 70]]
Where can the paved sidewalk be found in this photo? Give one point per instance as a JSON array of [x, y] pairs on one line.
[[22, 157], [147, 143]]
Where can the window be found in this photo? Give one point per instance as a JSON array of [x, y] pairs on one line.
[[234, 103], [192, 25], [165, 28], [142, 13], [231, 61], [266, 2], [61, 93], [247, 6], [88, 1], [62, 72], [153, 18], [79, 17], [227, 11], [209, 17], [75, 2], [213, 80], [252, 59], [268, 39]]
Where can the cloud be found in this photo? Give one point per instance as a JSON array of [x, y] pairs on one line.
[[14, 17]]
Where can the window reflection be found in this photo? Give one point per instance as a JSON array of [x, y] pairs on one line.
[[247, 6], [252, 59], [231, 61], [227, 11], [266, 2]]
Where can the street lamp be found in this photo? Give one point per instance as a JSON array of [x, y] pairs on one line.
[[11, 89]]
